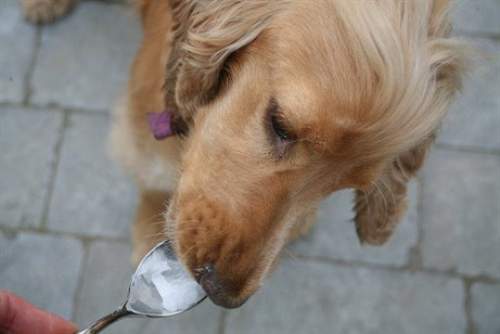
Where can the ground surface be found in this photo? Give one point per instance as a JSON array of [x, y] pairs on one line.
[[65, 209]]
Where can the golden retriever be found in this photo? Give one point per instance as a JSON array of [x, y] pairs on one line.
[[278, 104]]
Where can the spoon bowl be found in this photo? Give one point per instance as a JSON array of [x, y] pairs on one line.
[[160, 287]]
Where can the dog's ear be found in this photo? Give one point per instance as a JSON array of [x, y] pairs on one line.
[[206, 33], [379, 209]]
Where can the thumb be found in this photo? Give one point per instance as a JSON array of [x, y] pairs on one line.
[[19, 317]]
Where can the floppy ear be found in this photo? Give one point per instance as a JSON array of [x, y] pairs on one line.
[[379, 209], [206, 34]]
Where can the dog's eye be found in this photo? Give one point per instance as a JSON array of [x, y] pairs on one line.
[[279, 129], [281, 136], [278, 125]]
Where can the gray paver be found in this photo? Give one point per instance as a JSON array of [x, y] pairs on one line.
[[91, 195], [461, 211], [105, 282], [474, 118], [317, 298], [17, 40], [486, 308], [334, 235], [83, 61], [27, 145], [477, 16], [42, 269]]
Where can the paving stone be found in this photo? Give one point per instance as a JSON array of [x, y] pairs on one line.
[[17, 39], [477, 16], [474, 119], [105, 285], [91, 195], [486, 308], [317, 298], [43, 269], [27, 142], [461, 210], [84, 61], [334, 234]]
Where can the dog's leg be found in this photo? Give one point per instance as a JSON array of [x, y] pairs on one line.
[[45, 11], [149, 225], [381, 208]]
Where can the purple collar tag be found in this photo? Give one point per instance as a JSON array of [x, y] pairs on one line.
[[160, 124]]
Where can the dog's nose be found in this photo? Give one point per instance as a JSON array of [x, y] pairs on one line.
[[216, 290]]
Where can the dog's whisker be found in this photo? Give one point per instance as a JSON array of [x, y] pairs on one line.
[[150, 236]]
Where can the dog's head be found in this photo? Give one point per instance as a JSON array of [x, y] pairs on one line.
[[289, 101]]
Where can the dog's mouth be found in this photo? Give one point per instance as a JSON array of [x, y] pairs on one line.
[[220, 291]]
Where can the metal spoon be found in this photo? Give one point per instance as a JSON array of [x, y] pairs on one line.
[[160, 287]]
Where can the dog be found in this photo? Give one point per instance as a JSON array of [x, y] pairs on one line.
[[276, 104]]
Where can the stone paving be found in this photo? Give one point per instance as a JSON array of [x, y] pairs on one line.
[[65, 208]]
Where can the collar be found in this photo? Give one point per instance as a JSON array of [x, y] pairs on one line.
[[160, 124]]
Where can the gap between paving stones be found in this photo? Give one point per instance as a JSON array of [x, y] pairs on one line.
[[51, 107], [405, 268], [461, 34], [85, 258], [222, 322], [27, 84], [81, 237], [53, 173], [471, 328], [466, 149]]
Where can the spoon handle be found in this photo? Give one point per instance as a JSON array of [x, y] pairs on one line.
[[105, 321]]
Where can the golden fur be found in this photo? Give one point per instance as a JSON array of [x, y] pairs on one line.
[[361, 85]]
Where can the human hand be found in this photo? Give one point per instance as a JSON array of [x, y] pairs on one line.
[[19, 317]]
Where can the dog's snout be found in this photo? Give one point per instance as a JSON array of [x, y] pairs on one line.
[[217, 292], [224, 257]]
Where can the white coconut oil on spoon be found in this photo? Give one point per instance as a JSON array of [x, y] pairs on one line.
[[160, 287]]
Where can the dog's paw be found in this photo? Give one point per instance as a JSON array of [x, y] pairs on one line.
[[46, 11]]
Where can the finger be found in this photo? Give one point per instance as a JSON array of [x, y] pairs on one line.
[[19, 317]]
